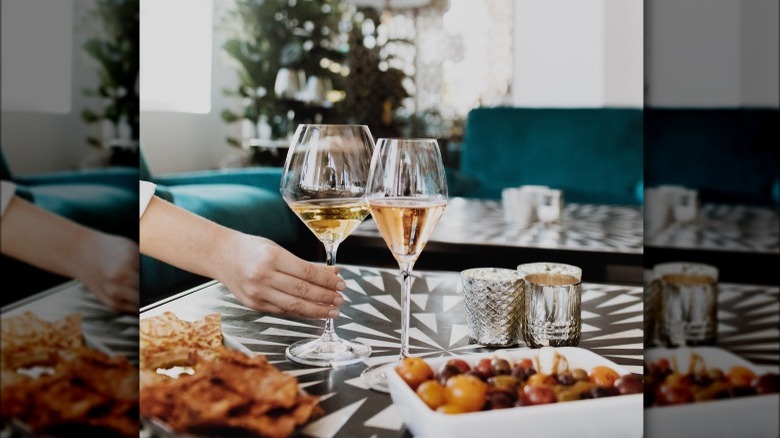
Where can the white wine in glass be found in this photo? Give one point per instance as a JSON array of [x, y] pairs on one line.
[[407, 194], [324, 183]]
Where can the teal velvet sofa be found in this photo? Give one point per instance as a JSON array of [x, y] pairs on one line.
[[593, 154], [244, 199], [730, 155], [104, 199]]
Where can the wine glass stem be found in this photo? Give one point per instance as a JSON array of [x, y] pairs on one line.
[[406, 296], [330, 260]]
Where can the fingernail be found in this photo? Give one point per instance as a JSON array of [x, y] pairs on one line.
[[341, 285], [333, 314], [338, 301]]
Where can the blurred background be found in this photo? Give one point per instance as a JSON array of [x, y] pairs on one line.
[[70, 116], [223, 81]]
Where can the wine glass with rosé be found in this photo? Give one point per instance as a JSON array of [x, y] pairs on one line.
[[407, 194], [324, 182]]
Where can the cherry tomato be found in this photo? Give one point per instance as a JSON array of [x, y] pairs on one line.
[[414, 371], [466, 392], [500, 366], [504, 382], [450, 409], [448, 371], [484, 368], [541, 379], [499, 399], [740, 376], [765, 383], [674, 395], [662, 365], [524, 363], [603, 375], [461, 364], [629, 384], [579, 374], [432, 393], [677, 379], [538, 395]]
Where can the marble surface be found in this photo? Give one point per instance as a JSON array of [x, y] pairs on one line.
[[721, 227], [586, 227]]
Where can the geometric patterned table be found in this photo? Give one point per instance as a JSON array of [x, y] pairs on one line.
[[116, 332], [612, 327], [742, 241], [473, 231], [723, 227]]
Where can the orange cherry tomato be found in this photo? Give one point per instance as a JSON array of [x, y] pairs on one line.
[[740, 376], [603, 376], [450, 409], [432, 393], [540, 379], [466, 392], [414, 371]]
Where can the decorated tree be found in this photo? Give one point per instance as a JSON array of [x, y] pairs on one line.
[[326, 41], [271, 35]]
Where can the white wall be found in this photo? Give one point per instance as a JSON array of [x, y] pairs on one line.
[[36, 142], [710, 53], [578, 53], [175, 142]]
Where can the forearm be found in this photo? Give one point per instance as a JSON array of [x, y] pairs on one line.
[[43, 239], [183, 239]]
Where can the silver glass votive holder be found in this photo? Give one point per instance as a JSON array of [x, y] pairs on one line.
[[687, 303], [494, 306], [552, 312]]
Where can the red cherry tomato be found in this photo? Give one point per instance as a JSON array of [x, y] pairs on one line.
[[460, 364]]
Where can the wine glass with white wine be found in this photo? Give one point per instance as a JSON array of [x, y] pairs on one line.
[[407, 194], [324, 182]]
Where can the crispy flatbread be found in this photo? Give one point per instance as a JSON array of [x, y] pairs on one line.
[[83, 391], [229, 394], [167, 341], [28, 340]]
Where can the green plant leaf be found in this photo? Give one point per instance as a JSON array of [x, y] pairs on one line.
[[90, 116], [92, 141], [229, 116]]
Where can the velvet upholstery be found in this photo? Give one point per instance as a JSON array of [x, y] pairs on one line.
[[593, 154]]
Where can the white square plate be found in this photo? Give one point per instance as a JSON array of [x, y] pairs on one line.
[[749, 416], [616, 416]]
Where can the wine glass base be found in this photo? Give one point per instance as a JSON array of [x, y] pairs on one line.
[[376, 378], [328, 353]]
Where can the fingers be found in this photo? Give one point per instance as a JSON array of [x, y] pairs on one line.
[[119, 303], [323, 276], [279, 302], [302, 289]]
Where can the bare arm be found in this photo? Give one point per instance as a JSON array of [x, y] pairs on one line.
[[260, 273], [106, 264]]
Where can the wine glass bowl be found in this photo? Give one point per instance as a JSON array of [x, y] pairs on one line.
[[324, 183], [407, 194]]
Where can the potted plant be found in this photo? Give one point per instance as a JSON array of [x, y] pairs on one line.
[[113, 26]]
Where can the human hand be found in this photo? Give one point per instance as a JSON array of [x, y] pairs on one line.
[[268, 278], [109, 268]]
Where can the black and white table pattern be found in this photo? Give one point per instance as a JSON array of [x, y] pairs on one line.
[[584, 227], [103, 327], [612, 327], [723, 227]]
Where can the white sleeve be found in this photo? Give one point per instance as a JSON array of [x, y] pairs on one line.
[[7, 191], [145, 195]]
